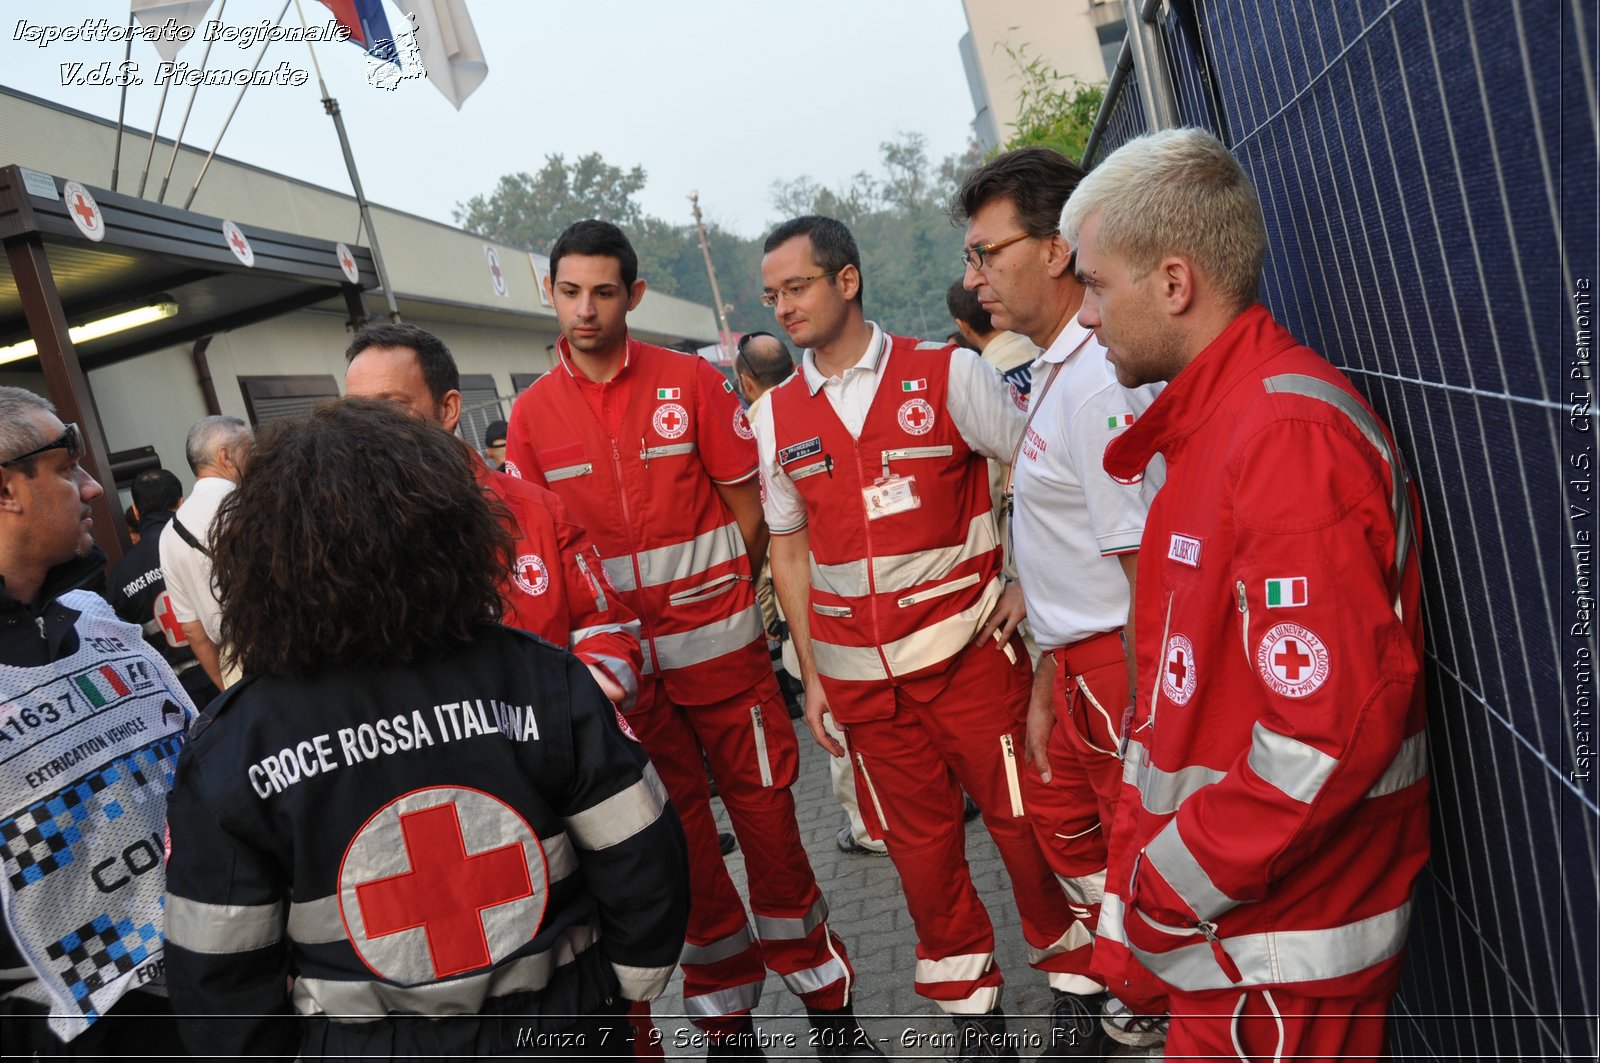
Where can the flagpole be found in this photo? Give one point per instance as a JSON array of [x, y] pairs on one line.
[[151, 151], [178, 143], [231, 112], [331, 106], [122, 107], [711, 271]]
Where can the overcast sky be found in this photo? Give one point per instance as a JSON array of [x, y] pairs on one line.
[[719, 96]]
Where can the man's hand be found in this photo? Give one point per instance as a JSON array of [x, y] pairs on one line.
[[1008, 612], [816, 706], [205, 651], [1041, 714], [608, 686]]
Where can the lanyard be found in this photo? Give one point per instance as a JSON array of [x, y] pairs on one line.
[[1034, 402]]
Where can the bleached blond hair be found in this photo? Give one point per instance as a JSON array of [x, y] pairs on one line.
[[1176, 192]]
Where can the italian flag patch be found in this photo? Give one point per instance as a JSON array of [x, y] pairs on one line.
[[102, 686], [670, 393], [914, 385], [727, 385], [1285, 593], [1121, 420]]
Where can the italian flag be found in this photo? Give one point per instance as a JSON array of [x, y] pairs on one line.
[[1121, 420], [914, 385], [102, 686], [1286, 592], [668, 393]]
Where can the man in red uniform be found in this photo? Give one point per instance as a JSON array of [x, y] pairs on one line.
[[557, 589], [1274, 814], [652, 452], [887, 563]]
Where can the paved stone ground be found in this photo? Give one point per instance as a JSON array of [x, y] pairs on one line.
[[868, 910]]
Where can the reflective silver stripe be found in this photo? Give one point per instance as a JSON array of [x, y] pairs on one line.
[[620, 816], [807, 470], [666, 564], [368, 1001], [1085, 889], [1288, 764], [1161, 792], [839, 611], [965, 968], [719, 950], [927, 646], [776, 928], [567, 472], [622, 672], [668, 450], [1410, 766], [723, 1002], [577, 635], [1399, 504], [642, 983], [814, 978], [1076, 937], [899, 572], [943, 451], [981, 1000], [721, 585], [318, 922], [709, 641], [1109, 925], [1171, 856], [1008, 755], [1280, 956], [619, 572], [219, 929]]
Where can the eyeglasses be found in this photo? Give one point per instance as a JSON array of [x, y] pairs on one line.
[[977, 256], [69, 441], [793, 288]]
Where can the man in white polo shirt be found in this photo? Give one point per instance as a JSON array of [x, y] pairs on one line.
[[1075, 534]]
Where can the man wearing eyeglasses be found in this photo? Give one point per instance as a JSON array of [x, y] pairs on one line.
[[1075, 533], [93, 720], [653, 454], [887, 563]]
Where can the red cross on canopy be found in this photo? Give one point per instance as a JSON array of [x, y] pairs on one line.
[[237, 240], [83, 210], [446, 891], [169, 622], [345, 260], [670, 420], [1177, 669], [916, 415], [1291, 660]]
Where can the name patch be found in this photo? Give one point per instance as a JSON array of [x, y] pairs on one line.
[[803, 449], [1184, 549]]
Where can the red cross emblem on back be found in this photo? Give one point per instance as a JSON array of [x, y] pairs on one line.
[[440, 882], [446, 890], [85, 211], [169, 622]]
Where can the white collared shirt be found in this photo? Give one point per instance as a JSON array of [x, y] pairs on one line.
[[978, 400], [1070, 518]]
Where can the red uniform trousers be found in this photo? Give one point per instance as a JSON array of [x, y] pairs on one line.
[[1262, 1026], [1072, 813], [750, 745], [912, 768]]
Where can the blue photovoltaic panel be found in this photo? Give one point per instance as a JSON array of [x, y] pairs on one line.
[[1427, 172]]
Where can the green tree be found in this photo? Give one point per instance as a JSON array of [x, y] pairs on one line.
[[530, 210], [1053, 110]]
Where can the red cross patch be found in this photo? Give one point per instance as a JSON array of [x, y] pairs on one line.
[[238, 244], [84, 211], [741, 425], [440, 882], [531, 575], [169, 622], [1292, 660], [510, 469], [1178, 677], [347, 264], [671, 420], [916, 417]]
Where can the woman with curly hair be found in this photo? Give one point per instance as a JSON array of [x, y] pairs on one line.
[[435, 826]]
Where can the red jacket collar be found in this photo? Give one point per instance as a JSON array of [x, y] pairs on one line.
[[1197, 391], [564, 358]]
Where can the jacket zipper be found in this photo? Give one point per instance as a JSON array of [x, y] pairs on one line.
[[633, 554], [1013, 784], [1244, 622], [761, 745], [872, 583], [872, 792], [594, 584]]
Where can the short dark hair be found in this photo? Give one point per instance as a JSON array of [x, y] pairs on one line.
[[596, 238], [496, 430], [832, 246], [156, 490], [769, 367], [965, 308], [438, 365], [1037, 180], [358, 535]]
